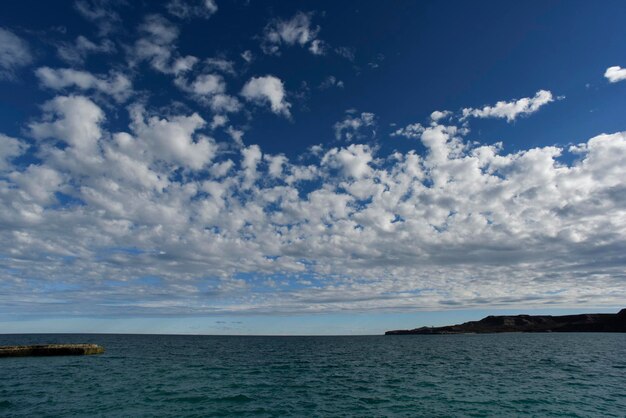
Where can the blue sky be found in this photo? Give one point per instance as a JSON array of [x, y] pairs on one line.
[[308, 167]]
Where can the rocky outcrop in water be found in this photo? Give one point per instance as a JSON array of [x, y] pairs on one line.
[[50, 350], [530, 323]]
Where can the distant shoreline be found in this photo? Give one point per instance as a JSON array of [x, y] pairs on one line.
[[529, 323]]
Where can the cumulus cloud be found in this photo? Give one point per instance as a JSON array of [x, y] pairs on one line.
[[295, 31], [14, 54], [461, 224], [615, 74], [100, 12], [77, 52], [331, 81], [224, 103], [74, 120], [186, 9], [352, 161], [437, 115], [275, 164], [511, 110], [115, 84], [220, 65], [356, 126], [157, 46], [317, 47], [156, 208], [173, 140], [413, 130], [236, 135], [203, 85], [267, 89], [247, 56], [210, 90], [251, 156], [37, 183], [9, 149], [219, 121]]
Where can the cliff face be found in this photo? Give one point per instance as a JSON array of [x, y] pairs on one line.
[[530, 323]]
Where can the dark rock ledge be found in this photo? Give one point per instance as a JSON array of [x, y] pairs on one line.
[[50, 350], [530, 323]]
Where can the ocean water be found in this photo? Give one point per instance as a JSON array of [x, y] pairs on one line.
[[429, 375]]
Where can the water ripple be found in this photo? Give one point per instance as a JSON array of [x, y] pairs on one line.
[[456, 375]]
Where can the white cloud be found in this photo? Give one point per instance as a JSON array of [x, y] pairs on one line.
[[413, 130], [38, 183], [511, 110], [275, 165], [186, 9], [437, 115], [95, 200], [247, 56], [157, 46], [224, 103], [353, 161], [251, 156], [203, 85], [615, 74], [219, 121], [268, 89], [354, 127], [463, 224], [74, 120], [115, 84], [77, 52], [159, 29], [297, 30], [331, 81], [100, 12], [220, 65], [9, 149], [317, 47], [236, 135], [14, 54], [208, 84], [173, 141], [219, 170], [210, 90]]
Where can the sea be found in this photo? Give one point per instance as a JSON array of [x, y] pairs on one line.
[[486, 375]]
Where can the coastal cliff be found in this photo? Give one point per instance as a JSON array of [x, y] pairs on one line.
[[530, 323]]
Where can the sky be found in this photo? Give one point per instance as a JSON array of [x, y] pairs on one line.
[[311, 167]]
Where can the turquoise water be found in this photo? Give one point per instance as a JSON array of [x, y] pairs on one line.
[[430, 375]]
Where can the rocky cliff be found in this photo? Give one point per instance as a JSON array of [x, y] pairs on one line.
[[530, 323]]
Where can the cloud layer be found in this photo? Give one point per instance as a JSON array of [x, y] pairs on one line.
[[113, 205], [160, 218]]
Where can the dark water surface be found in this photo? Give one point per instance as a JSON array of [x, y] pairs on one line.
[[428, 375]]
